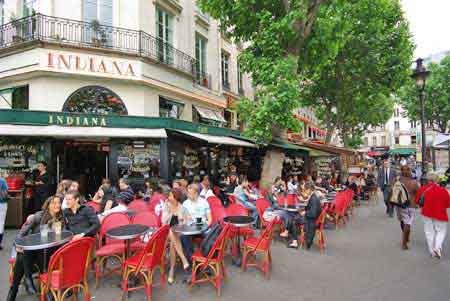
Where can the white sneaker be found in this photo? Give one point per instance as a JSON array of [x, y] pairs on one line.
[[438, 253]]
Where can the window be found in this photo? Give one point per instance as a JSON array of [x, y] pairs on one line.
[[374, 140], [28, 8], [228, 115], [15, 98], [397, 112], [397, 125], [225, 70], [383, 140], [366, 141], [413, 124], [97, 13], [95, 100], [413, 140], [169, 108], [200, 56], [240, 81], [397, 140], [164, 32], [2, 12]]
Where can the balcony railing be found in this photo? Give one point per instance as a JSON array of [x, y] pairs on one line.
[[42, 28]]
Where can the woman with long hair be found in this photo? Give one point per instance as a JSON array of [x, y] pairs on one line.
[[51, 215]]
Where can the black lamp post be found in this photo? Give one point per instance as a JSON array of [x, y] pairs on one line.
[[420, 75]]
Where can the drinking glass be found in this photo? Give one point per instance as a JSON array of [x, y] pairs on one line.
[[57, 227], [44, 231]]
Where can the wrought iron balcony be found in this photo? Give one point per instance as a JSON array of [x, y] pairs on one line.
[[42, 28]]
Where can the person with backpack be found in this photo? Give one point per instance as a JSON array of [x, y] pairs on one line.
[[402, 198]]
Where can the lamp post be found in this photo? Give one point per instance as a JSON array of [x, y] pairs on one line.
[[420, 75]]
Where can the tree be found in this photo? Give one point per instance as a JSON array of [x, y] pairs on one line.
[[352, 88], [437, 97], [276, 32]]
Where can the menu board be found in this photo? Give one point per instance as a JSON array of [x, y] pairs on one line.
[[324, 166], [143, 159], [17, 157]]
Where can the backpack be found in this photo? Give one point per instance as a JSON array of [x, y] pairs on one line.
[[399, 195], [210, 238]]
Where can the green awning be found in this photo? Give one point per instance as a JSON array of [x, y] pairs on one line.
[[317, 153], [287, 146], [402, 151]]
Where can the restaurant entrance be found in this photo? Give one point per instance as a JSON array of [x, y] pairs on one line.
[[85, 162]]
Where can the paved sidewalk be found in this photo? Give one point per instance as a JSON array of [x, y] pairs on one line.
[[363, 261]]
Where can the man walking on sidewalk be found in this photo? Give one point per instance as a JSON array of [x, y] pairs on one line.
[[386, 177]]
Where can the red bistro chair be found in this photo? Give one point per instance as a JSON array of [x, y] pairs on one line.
[[107, 247], [138, 206], [94, 205], [145, 262], [261, 244], [146, 218], [214, 201], [320, 233], [68, 269], [232, 199], [214, 261], [235, 232], [261, 206], [218, 213]]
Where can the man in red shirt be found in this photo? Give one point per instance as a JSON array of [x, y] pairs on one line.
[[434, 211]]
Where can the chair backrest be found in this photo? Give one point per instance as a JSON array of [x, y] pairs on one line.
[[155, 247], [96, 206], [291, 199], [138, 206], [71, 261], [218, 213], [112, 220], [146, 218], [216, 190], [217, 250], [265, 238], [214, 201], [232, 199], [261, 206], [320, 222], [155, 200], [236, 209]]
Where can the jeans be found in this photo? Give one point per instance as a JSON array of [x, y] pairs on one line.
[[24, 266], [252, 208], [188, 246], [435, 232]]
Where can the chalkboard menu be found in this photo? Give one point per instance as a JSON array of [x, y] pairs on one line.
[[140, 160], [323, 165], [17, 157]]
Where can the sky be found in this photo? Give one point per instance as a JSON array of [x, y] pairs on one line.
[[429, 23]]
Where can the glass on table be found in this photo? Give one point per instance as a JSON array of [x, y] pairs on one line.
[[44, 230], [57, 227]]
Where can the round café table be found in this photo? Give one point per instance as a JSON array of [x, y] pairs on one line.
[[35, 242], [128, 233], [239, 221], [190, 230]]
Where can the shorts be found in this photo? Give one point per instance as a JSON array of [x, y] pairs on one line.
[[406, 215]]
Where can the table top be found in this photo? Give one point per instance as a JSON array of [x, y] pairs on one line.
[[238, 220], [193, 229], [127, 231], [36, 242]]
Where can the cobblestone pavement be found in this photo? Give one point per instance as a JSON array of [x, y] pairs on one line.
[[363, 261]]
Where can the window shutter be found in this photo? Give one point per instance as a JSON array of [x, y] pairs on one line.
[[89, 10]]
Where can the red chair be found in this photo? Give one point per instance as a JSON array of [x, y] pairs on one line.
[[232, 199], [138, 206], [261, 206], [146, 262], [155, 200], [146, 218], [216, 190], [338, 208], [67, 270], [320, 233], [107, 247], [11, 262], [214, 201], [261, 245], [289, 200], [94, 205], [214, 261], [238, 210], [218, 213]]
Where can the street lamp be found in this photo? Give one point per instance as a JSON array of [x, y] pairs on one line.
[[420, 75]]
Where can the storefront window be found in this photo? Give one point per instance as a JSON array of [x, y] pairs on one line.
[[15, 98], [139, 160], [169, 108], [95, 100]]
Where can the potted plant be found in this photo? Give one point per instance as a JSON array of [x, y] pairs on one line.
[[99, 37]]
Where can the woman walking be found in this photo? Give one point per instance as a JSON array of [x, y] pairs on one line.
[[434, 201]]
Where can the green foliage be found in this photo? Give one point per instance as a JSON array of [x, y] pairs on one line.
[[437, 96]]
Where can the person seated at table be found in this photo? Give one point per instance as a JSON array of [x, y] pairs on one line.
[[120, 204], [246, 197], [104, 197], [63, 186], [308, 218], [292, 185], [174, 213], [81, 220], [205, 188], [196, 207], [74, 186], [25, 260]]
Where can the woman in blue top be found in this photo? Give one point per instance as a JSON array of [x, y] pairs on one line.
[[246, 197], [3, 207]]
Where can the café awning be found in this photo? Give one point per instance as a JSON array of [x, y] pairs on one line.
[[225, 140], [78, 131], [402, 151], [210, 114]]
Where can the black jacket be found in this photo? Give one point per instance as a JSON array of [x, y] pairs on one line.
[[83, 221], [314, 207]]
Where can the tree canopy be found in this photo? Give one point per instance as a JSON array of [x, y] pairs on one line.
[[437, 97]]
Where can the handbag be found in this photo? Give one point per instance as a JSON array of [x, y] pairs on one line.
[[210, 239], [173, 220], [422, 197]]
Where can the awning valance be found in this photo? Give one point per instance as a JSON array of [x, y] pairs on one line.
[[219, 139], [210, 114], [402, 151], [76, 131]]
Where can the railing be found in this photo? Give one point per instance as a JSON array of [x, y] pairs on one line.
[[203, 79], [93, 35]]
